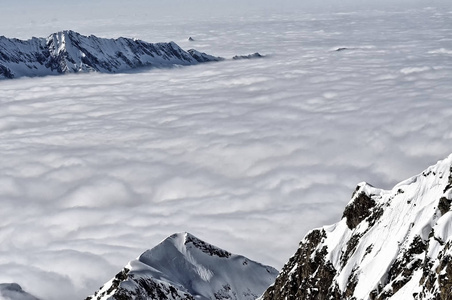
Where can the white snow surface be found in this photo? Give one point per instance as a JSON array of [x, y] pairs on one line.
[[249, 155], [198, 268]]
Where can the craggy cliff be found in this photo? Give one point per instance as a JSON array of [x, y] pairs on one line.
[[390, 244]]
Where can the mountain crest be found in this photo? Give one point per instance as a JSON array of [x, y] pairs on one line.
[[362, 206], [70, 52], [184, 267], [192, 241], [394, 244]]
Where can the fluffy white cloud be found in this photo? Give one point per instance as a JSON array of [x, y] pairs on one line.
[[248, 155]]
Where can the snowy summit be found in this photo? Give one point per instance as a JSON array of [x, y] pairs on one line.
[[184, 267], [394, 244]]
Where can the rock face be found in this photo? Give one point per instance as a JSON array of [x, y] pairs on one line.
[[184, 267], [70, 52], [249, 56], [394, 244], [203, 57], [13, 291]]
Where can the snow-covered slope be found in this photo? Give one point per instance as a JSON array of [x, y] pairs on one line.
[[184, 267], [13, 291], [394, 244], [71, 52]]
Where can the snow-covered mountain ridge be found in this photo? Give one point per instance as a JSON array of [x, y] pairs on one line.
[[390, 244], [70, 52], [184, 267]]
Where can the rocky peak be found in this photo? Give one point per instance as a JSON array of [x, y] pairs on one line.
[[360, 207], [394, 244]]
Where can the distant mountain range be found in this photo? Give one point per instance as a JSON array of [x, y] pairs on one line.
[[183, 267], [70, 52]]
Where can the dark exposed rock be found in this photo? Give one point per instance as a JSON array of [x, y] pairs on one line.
[[351, 246], [437, 281], [375, 215], [449, 185], [6, 72], [358, 210], [444, 205], [308, 269], [141, 289], [120, 277], [206, 248], [149, 289], [249, 56], [405, 268], [203, 57], [352, 282]]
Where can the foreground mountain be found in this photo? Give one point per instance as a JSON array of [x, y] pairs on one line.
[[184, 267], [394, 244], [71, 52], [13, 291]]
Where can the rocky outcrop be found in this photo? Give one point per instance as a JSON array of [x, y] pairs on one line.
[[307, 268], [358, 210], [394, 244], [249, 56], [139, 288], [203, 57]]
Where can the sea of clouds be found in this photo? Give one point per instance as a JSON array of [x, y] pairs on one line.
[[247, 155]]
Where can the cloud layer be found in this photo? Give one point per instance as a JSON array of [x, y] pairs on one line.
[[248, 155]]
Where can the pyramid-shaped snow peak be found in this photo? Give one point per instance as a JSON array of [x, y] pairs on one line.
[[394, 244], [185, 267]]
